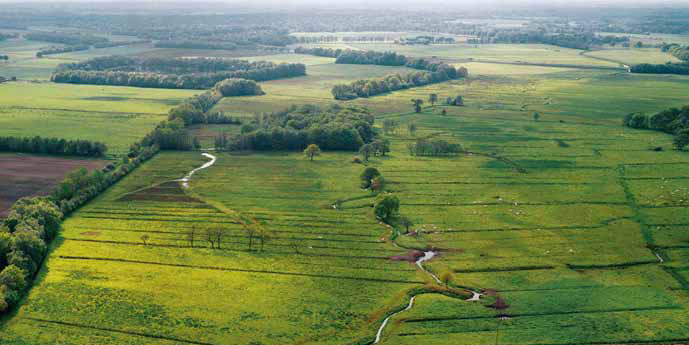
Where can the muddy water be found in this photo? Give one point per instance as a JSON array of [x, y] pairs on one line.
[[185, 179]]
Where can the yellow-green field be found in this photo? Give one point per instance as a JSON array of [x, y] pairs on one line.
[[574, 221]]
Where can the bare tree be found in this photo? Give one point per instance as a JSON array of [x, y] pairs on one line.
[[144, 239], [250, 230], [191, 235], [210, 237]]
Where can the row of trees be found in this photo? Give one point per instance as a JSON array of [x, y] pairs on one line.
[[172, 81], [434, 147], [164, 65], [393, 82], [425, 40], [672, 121], [66, 39], [59, 50], [32, 223], [389, 58], [53, 146], [667, 68], [333, 128]]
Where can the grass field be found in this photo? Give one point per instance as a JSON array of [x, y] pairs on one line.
[[573, 220], [25, 175], [514, 53], [117, 116]]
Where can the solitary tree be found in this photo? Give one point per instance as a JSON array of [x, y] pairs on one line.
[[191, 236], [312, 151], [447, 278], [406, 222], [250, 230], [367, 176], [432, 98], [681, 139], [366, 151], [144, 239], [536, 116], [412, 127], [417, 104], [444, 112], [386, 207]]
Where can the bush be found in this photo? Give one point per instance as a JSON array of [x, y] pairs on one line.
[[367, 177]]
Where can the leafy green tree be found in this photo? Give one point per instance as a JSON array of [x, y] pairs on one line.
[[536, 116], [446, 277], [367, 177], [386, 207], [13, 278], [681, 139], [433, 98], [312, 151], [417, 104]]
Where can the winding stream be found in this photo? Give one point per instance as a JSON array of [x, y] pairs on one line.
[[427, 256], [385, 322], [185, 179]]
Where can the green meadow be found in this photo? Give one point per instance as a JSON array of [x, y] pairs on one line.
[[118, 116], [572, 220]]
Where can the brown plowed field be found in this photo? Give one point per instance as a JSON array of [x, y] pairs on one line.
[[24, 175]]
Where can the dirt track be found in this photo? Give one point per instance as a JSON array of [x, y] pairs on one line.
[[24, 175]]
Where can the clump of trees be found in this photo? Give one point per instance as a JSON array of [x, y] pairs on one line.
[[4, 57], [672, 121], [239, 87], [53, 146], [434, 147], [333, 128]]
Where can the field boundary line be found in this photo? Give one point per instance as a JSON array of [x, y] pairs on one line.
[[86, 111], [140, 334]]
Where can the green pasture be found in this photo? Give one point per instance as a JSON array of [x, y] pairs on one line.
[[115, 115]]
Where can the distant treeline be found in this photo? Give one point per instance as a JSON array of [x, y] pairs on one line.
[[4, 57], [53, 146], [334, 39], [7, 36], [196, 45], [574, 40], [333, 128], [670, 121], [425, 40], [203, 80], [369, 57], [119, 44], [60, 50], [164, 65], [67, 39], [434, 147], [394, 82]]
